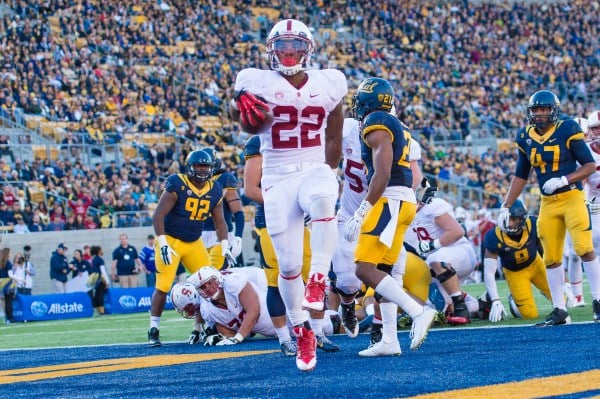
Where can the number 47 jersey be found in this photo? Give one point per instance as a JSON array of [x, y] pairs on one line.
[[299, 114]]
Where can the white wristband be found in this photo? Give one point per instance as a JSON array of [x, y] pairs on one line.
[[224, 243], [436, 243], [239, 337]]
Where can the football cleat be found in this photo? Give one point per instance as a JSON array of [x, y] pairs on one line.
[[288, 348], [578, 301], [460, 314], [324, 344], [556, 318], [596, 308], [306, 343], [349, 320], [154, 337], [375, 335], [314, 295], [382, 348], [420, 327], [194, 338]]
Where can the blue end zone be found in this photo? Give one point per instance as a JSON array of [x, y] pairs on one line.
[[449, 359]]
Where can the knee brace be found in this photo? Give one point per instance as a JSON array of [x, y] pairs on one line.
[[446, 274], [275, 304]]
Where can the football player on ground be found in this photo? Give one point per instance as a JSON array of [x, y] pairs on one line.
[[233, 306], [301, 152], [519, 249], [183, 207], [232, 209], [554, 147], [380, 221]]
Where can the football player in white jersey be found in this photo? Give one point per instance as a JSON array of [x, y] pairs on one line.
[[301, 152], [593, 195], [437, 236], [234, 302]]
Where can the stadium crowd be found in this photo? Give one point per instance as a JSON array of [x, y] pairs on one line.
[[110, 70]]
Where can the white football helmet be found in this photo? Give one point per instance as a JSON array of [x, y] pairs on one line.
[[593, 125], [203, 276], [582, 122], [186, 299], [290, 46]]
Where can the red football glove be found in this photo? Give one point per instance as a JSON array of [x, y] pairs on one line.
[[247, 104]]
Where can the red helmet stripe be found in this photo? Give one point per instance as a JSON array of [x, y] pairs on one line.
[[289, 25]]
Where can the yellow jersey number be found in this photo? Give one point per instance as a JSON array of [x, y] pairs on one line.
[[198, 209], [403, 161], [536, 159]]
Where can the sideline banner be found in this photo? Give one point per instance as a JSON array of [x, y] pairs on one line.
[[52, 307], [130, 300]]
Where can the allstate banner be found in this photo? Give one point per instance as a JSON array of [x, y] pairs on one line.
[[130, 300], [52, 307]]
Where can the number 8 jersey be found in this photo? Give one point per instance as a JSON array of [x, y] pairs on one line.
[[299, 114]]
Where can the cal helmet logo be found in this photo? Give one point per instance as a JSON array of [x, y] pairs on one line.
[[368, 87]]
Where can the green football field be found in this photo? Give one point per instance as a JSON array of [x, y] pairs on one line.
[[132, 328]]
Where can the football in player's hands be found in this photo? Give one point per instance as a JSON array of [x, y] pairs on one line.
[[262, 122]]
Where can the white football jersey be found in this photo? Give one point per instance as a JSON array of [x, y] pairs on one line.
[[593, 181], [300, 115], [355, 177], [424, 227], [234, 281]]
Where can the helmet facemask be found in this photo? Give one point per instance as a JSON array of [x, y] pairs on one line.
[[200, 171]]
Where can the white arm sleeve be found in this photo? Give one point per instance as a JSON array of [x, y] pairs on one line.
[[489, 277]]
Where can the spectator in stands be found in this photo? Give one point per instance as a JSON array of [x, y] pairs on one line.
[[36, 225], [5, 149], [56, 224], [80, 206], [25, 172], [21, 227], [89, 223], [42, 212], [6, 214], [106, 220], [70, 223], [59, 269]]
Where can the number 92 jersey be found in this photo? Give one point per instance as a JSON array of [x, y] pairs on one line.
[[186, 220], [299, 114], [401, 174]]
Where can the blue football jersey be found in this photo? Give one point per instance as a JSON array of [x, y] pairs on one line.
[[401, 174], [193, 207], [514, 255]]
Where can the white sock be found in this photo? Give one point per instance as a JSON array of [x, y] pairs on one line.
[[283, 334], [556, 281], [155, 321], [323, 239], [592, 270], [292, 293], [317, 326], [389, 319], [390, 290], [575, 275]]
